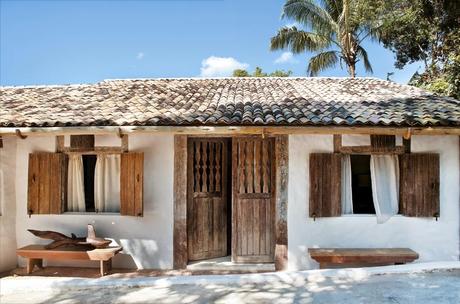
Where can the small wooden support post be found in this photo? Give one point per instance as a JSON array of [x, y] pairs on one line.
[[281, 202], [406, 145], [106, 267], [124, 143], [1, 142], [59, 144], [31, 263], [337, 143]]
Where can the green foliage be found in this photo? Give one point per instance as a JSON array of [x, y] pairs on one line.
[[427, 31], [240, 73], [280, 73], [259, 73], [420, 30], [336, 30]]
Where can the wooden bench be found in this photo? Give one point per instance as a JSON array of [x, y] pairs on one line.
[[361, 257], [35, 254]]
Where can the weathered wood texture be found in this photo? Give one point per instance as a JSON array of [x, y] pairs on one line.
[[60, 144], [407, 145], [253, 220], [83, 142], [383, 142], [347, 257], [46, 183], [132, 183], [380, 144], [325, 185], [180, 252], [37, 253], [419, 185], [234, 130], [61, 240], [281, 203], [207, 198]]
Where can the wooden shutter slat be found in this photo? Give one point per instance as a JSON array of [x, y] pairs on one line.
[[419, 184], [55, 165], [325, 185], [131, 183], [46, 178], [44, 184]]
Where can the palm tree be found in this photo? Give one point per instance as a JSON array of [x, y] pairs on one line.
[[336, 30]]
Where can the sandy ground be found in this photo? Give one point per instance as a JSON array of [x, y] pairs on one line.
[[432, 287]]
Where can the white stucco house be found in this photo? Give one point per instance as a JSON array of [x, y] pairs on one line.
[[258, 169]]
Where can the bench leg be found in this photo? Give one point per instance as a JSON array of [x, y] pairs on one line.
[[106, 266], [31, 263]]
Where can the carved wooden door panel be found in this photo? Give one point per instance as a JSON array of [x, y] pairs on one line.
[[207, 198], [253, 219]]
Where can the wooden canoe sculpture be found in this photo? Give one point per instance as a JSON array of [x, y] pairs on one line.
[[60, 239]]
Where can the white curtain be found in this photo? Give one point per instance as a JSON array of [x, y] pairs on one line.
[[385, 186], [347, 197], [107, 183], [75, 185]]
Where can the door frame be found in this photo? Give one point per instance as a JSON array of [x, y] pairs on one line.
[[180, 250]]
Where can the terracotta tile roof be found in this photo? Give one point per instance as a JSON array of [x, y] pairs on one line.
[[227, 101]]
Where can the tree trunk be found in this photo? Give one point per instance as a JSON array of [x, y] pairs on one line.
[[352, 70]]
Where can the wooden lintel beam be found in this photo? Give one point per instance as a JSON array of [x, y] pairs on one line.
[[370, 150], [233, 130]]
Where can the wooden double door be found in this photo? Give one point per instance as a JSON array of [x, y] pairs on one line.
[[230, 207]]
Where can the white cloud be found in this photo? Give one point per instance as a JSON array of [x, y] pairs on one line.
[[140, 55], [220, 66], [286, 57]]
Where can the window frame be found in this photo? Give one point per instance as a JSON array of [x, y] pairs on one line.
[[370, 153], [110, 151]]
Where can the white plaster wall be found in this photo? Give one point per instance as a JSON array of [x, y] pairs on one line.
[[433, 240], [147, 241], [7, 205]]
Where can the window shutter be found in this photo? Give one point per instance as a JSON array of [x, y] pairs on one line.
[[419, 185], [131, 184], [325, 183], [46, 183]]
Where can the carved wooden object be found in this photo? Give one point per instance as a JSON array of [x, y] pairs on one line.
[[60, 240]]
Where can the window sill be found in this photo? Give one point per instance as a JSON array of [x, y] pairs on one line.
[[91, 213]]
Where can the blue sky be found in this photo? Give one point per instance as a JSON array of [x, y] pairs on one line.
[[71, 41]]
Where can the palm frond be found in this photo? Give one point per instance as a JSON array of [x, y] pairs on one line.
[[362, 53], [299, 41], [310, 14], [321, 62], [333, 7]]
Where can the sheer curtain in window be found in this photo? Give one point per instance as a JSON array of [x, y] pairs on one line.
[[385, 186], [347, 197], [107, 183], [75, 185]]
